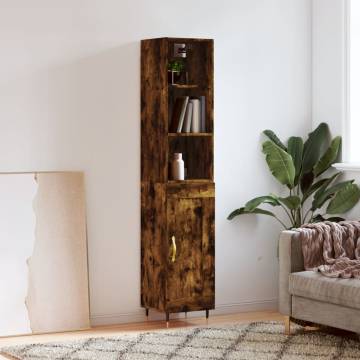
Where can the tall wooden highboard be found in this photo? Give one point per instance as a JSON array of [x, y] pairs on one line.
[[177, 215]]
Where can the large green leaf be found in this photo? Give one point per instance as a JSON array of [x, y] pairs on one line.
[[313, 188], [295, 149], [254, 203], [327, 194], [325, 184], [292, 202], [317, 218], [280, 163], [335, 219], [344, 199], [306, 181], [320, 191], [329, 157], [313, 146], [273, 137], [242, 211]]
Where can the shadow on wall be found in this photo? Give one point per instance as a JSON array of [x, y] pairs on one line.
[[93, 124]]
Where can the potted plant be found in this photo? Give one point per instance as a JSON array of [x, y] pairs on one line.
[[302, 167], [175, 68]]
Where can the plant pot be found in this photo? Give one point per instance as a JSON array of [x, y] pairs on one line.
[[174, 76]]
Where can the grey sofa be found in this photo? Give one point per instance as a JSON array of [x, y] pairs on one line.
[[310, 296]]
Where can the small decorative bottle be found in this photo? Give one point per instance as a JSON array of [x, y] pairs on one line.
[[177, 167]]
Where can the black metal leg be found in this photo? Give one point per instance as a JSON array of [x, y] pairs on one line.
[[167, 319], [147, 312], [207, 313]]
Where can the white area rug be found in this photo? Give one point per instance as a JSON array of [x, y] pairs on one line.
[[258, 341]]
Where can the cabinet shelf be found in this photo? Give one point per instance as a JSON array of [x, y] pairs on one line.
[[191, 181], [189, 134], [184, 86]]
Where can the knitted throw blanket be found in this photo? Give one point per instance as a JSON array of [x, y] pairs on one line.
[[332, 248]]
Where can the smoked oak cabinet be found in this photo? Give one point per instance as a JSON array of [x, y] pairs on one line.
[[177, 217]]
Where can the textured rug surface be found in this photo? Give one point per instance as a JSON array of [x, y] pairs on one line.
[[258, 341]]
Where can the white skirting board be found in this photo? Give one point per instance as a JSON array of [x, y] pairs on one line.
[[221, 309]]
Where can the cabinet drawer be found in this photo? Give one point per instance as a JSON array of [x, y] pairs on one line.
[[190, 190]]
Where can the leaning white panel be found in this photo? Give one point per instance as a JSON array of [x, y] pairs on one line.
[[46, 224]]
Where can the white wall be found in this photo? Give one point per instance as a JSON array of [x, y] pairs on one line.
[[69, 95], [328, 74], [329, 69]]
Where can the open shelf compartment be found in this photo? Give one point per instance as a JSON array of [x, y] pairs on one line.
[[197, 153]]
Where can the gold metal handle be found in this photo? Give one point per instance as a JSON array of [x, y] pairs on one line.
[[173, 249]]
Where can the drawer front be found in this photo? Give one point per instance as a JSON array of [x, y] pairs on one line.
[[190, 190]]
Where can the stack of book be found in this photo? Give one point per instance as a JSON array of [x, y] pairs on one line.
[[188, 115]]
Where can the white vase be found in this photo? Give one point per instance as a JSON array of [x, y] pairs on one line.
[[177, 167]]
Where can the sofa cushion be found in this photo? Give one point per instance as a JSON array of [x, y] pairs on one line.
[[313, 285]]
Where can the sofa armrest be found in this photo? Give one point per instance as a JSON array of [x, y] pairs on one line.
[[290, 260]]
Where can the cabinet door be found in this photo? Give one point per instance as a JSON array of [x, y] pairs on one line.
[[191, 269]]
